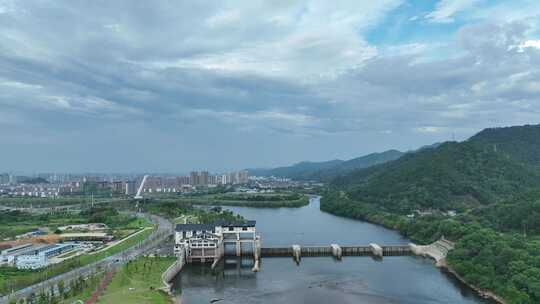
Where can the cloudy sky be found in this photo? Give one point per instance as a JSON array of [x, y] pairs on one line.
[[170, 86]]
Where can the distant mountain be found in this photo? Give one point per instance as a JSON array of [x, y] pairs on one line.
[[520, 143], [330, 169], [299, 169], [353, 164], [452, 174]]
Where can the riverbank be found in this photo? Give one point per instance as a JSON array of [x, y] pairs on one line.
[[255, 200], [406, 227], [138, 281], [485, 294]]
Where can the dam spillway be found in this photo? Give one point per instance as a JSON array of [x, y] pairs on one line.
[[314, 251]]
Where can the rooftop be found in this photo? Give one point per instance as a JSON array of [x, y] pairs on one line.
[[235, 224], [198, 227], [211, 227]]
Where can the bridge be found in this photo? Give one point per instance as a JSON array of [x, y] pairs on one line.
[[337, 251]]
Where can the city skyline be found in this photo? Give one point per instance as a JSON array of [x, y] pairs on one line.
[[171, 86]]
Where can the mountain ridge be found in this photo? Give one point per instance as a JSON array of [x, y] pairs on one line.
[[327, 170]]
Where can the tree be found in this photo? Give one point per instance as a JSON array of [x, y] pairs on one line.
[[61, 289]]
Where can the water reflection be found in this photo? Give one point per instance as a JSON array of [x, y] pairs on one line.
[[319, 279]]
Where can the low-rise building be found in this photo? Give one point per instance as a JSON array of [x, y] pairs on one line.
[[39, 257], [88, 227], [7, 255]]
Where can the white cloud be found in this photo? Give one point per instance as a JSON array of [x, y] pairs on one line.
[[19, 85], [224, 18], [445, 10], [528, 44], [312, 40], [428, 129]]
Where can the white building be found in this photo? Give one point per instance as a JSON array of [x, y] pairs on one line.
[[8, 255], [206, 243], [34, 261]]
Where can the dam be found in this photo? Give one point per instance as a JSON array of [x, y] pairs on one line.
[[321, 278]]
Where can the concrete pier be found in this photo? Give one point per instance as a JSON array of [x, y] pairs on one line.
[[376, 250], [297, 253], [336, 251], [257, 249], [238, 248], [256, 267], [214, 264]]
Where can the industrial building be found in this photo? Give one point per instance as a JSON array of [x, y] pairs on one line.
[[39, 258], [30, 256]]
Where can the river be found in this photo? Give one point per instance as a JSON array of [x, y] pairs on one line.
[[320, 279]]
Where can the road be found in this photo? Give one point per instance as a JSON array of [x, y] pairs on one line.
[[72, 207], [163, 230]]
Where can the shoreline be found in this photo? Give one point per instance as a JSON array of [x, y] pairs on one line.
[[484, 294]]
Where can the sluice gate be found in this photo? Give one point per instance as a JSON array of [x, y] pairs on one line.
[[338, 251]]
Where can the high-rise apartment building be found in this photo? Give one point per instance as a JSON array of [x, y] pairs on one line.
[[243, 177], [204, 178], [130, 188], [194, 178], [4, 179]]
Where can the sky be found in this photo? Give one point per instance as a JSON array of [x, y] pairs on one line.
[[171, 86]]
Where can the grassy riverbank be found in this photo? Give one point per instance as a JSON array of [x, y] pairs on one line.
[[138, 282], [505, 263]]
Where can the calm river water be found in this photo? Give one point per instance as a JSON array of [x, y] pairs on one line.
[[321, 279]]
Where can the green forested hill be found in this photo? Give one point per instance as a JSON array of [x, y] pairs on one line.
[[521, 143], [492, 180], [448, 177]]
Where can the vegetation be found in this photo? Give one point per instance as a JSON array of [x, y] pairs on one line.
[[138, 281], [493, 183], [80, 288], [264, 200], [173, 209], [453, 176], [520, 143], [39, 202], [505, 263], [19, 222]]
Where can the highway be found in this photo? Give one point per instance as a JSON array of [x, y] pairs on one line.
[[72, 207], [163, 230]]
